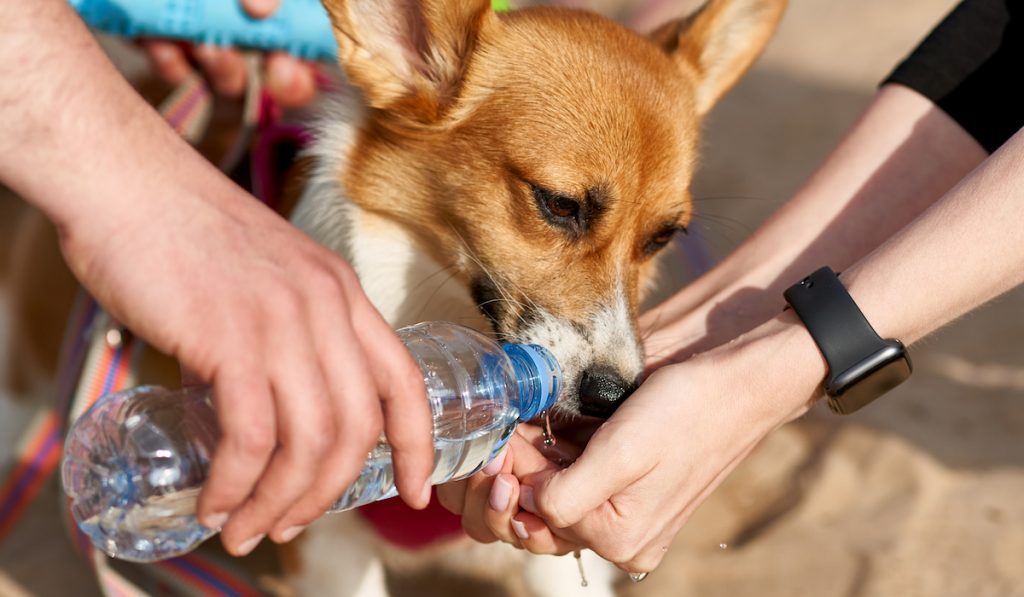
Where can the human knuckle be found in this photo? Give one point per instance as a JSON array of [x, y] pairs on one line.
[[323, 427], [284, 300], [448, 497], [346, 276], [617, 552], [552, 513], [319, 440], [409, 381], [631, 536], [269, 500], [359, 435], [253, 441], [477, 532], [323, 283], [306, 513], [646, 561]]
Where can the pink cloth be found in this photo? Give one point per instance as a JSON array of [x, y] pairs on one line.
[[412, 529]]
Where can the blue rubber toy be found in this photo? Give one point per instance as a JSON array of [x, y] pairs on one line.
[[299, 27]]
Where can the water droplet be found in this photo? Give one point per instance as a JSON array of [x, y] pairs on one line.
[[723, 546], [579, 564], [664, 549], [638, 577], [114, 338], [549, 438]]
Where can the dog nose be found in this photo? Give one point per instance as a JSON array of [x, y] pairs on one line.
[[602, 390]]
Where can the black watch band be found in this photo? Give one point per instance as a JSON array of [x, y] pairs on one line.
[[861, 365]]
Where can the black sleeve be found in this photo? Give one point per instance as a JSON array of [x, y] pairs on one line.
[[971, 66]]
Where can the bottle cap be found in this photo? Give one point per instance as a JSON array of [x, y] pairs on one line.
[[538, 375]]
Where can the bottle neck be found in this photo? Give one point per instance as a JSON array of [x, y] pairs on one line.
[[537, 376]]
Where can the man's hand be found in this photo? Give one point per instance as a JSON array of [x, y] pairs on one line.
[[306, 373]]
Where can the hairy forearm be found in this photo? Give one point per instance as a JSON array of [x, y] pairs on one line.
[[75, 133], [895, 161]]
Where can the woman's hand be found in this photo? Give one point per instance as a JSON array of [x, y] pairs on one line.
[[489, 500], [674, 441], [646, 470], [290, 81]]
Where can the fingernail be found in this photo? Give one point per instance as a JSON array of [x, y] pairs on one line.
[[494, 467], [261, 8], [246, 546], [215, 521], [526, 499], [520, 530], [501, 493], [291, 532]]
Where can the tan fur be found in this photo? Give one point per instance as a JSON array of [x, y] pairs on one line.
[[466, 112], [469, 111]]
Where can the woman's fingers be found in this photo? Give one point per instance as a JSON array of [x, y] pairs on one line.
[[478, 501], [452, 496], [536, 537]]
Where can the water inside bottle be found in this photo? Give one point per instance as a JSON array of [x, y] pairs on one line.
[[463, 443], [164, 526]]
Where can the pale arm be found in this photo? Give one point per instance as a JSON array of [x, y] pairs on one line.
[[895, 161], [690, 424]]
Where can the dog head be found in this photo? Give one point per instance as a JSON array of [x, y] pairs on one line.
[[545, 154]]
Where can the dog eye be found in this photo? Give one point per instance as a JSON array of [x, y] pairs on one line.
[[662, 238], [558, 209]]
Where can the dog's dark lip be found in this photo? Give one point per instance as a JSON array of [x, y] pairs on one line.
[[602, 413]]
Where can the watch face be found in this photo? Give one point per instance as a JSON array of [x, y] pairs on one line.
[[869, 379]]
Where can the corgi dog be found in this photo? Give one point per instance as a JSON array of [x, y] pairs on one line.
[[518, 173]]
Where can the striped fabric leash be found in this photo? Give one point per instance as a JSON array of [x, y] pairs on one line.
[[38, 453]]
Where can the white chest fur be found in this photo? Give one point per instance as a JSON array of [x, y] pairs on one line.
[[405, 284]]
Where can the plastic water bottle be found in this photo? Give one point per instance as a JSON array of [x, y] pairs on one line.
[[135, 462]]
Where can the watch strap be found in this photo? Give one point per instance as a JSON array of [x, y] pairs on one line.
[[834, 320]]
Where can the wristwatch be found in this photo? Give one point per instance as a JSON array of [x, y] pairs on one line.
[[861, 365]]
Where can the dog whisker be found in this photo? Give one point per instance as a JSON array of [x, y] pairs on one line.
[[506, 297]]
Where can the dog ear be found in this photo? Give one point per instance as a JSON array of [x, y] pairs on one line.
[[407, 56], [720, 40]]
